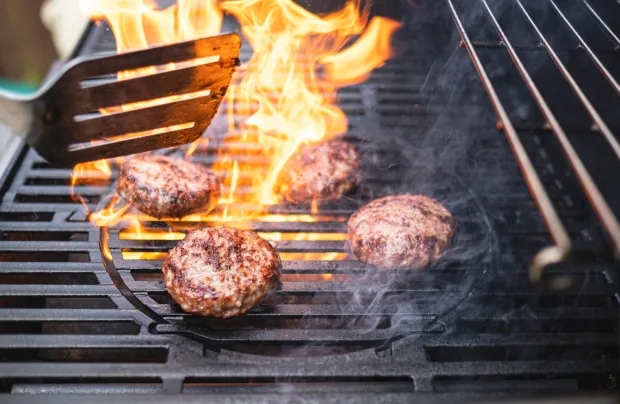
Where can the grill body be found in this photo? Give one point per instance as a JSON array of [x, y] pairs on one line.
[[473, 327]]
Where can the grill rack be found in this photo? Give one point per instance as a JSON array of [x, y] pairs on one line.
[[507, 339], [358, 306], [562, 248], [363, 305]]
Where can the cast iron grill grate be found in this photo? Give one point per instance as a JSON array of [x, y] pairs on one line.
[[68, 325]]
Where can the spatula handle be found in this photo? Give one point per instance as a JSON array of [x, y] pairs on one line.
[[15, 113]]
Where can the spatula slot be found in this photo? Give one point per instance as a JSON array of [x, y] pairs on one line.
[[120, 109], [128, 136], [132, 74]]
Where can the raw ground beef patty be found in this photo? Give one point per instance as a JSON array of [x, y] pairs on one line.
[[403, 231]]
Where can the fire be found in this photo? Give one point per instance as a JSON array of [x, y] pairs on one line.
[[282, 98], [294, 104], [88, 174], [354, 64], [112, 214], [140, 255], [138, 24], [140, 233]]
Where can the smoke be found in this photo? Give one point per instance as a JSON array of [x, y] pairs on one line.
[[424, 128], [415, 300], [435, 136]]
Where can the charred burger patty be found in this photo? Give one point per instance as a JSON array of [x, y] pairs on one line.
[[326, 171], [166, 186], [221, 271], [404, 231]]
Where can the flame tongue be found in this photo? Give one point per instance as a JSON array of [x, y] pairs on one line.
[[372, 49], [137, 24], [282, 98], [288, 41], [295, 104]]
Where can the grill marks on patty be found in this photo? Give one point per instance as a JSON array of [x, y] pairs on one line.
[[167, 186], [404, 231], [221, 271], [326, 171]]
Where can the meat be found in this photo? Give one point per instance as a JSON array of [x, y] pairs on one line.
[[221, 271], [404, 231], [163, 186], [326, 171]]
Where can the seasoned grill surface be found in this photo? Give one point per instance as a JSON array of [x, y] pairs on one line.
[[471, 326]]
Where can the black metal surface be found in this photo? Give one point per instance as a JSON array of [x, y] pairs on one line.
[[471, 328]]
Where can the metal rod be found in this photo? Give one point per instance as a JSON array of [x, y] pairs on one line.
[[603, 24], [597, 201], [588, 50], [602, 126], [557, 231]]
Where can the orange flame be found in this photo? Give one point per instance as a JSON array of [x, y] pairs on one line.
[[372, 49], [288, 101], [282, 98], [138, 24], [134, 232], [112, 214]]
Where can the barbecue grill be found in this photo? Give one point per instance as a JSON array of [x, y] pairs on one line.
[[524, 305]]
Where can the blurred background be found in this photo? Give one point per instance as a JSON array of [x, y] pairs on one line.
[[33, 34], [26, 47]]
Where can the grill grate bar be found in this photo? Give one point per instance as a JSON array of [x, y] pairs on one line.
[[266, 227], [66, 314], [284, 246], [523, 339], [308, 287], [58, 290], [322, 311], [49, 246], [545, 314], [287, 266], [54, 227], [82, 341], [51, 267], [291, 368], [292, 335]]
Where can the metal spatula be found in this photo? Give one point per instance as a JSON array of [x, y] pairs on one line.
[[63, 122]]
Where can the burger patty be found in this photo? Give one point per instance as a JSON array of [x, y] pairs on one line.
[[404, 231], [326, 171], [221, 271], [167, 186]]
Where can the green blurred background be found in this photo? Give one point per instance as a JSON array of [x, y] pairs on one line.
[[26, 48]]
